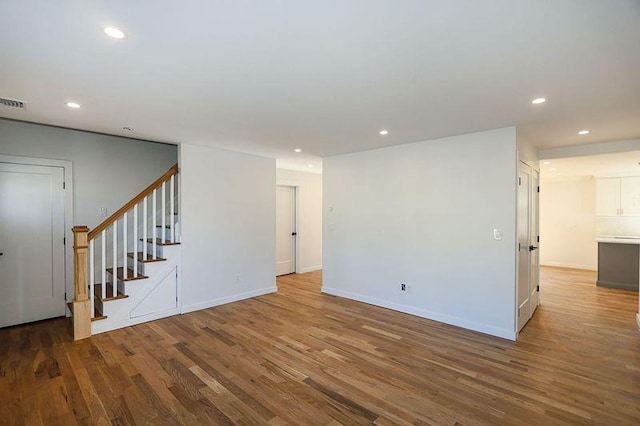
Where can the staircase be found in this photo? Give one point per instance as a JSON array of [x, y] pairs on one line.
[[127, 268]]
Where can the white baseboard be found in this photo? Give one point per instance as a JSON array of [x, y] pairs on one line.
[[228, 299], [447, 319], [310, 269], [570, 265]]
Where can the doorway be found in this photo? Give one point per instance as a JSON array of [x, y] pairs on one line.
[[286, 234], [32, 242], [528, 239]]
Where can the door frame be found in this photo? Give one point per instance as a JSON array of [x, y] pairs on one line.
[[536, 168], [296, 196], [67, 173]]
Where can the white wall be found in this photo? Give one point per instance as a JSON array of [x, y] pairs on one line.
[[423, 214], [309, 229], [228, 226], [568, 223], [107, 170]]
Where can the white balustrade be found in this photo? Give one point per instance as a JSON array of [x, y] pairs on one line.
[[172, 218], [135, 240], [103, 263], [144, 228], [164, 212], [92, 277], [115, 256], [153, 225], [125, 228]]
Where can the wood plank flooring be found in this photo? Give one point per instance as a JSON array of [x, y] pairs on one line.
[[300, 357]]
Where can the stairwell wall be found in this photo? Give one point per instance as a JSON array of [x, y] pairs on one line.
[[228, 226], [108, 171]]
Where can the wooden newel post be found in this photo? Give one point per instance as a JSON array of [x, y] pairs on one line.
[[81, 302]]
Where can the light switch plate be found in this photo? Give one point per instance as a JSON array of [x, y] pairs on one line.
[[497, 234]]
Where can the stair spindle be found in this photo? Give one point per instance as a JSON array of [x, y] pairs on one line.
[[144, 227], [154, 214], [103, 263], [124, 247], [164, 211], [135, 240], [172, 209], [115, 254], [92, 277]]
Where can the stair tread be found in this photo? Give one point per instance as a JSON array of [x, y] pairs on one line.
[[97, 291], [148, 258], [161, 242], [130, 274]]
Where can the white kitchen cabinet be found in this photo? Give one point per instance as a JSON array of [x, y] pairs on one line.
[[630, 196], [608, 197], [618, 197]]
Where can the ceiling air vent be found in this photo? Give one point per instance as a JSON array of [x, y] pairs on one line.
[[13, 103]]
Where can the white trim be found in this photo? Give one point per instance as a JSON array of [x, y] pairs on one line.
[[67, 167], [435, 316], [309, 269], [228, 299], [570, 265], [105, 325]]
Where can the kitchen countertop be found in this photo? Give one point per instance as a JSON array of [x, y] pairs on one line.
[[619, 240]]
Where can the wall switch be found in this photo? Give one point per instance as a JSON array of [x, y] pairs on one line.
[[403, 287], [497, 234], [102, 212]]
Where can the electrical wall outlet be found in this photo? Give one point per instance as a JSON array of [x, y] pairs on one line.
[[102, 212]]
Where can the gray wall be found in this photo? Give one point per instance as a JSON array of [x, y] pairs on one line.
[[108, 170]]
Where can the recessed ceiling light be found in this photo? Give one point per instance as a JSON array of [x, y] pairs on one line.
[[538, 101], [583, 132], [127, 128], [309, 165], [297, 150], [73, 104], [384, 132], [114, 32], [546, 163]]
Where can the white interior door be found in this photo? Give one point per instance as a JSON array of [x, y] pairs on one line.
[[528, 240], [524, 311], [285, 230], [534, 242], [31, 242]]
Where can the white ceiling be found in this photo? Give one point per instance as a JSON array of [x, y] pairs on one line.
[[267, 76], [605, 165]]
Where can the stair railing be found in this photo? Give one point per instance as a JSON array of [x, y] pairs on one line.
[[107, 233]]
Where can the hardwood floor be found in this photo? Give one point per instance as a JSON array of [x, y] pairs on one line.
[[300, 357]]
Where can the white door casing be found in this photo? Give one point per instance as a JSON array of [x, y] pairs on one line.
[[32, 265], [285, 230]]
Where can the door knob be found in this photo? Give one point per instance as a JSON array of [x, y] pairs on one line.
[[532, 248], [293, 234]]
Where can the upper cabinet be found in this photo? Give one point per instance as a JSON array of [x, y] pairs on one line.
[[618, 196], [630, 196]]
